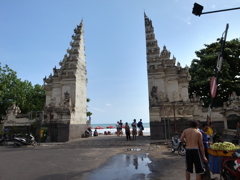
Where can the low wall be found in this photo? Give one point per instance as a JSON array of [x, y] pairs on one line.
[[65, 132], [165, 129]]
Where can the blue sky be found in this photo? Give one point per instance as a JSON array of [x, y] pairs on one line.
[[34, 36]]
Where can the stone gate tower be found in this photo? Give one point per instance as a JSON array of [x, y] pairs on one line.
[[169, 101], [66, 88]]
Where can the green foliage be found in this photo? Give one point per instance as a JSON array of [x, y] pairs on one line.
[[202, 69], [88, 112], [12, 89]]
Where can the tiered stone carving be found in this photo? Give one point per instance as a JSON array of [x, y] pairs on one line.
[[165, 53], [168, 83], [66, 87]]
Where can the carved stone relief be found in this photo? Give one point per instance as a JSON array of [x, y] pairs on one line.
[[66, 103], [175, 96], [165, 53], [13, 109], [178, 65], [163, 96], [52, 102], [185, 111], [153, 96]]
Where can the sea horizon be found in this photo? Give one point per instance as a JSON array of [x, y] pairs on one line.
[[146, 126], [105, 125]]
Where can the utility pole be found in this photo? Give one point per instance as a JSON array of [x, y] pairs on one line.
[[218, 67], [197, 10]]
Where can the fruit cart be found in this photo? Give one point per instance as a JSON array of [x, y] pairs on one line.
[[217, 153]]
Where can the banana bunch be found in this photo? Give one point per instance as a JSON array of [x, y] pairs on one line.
[[223, 146]]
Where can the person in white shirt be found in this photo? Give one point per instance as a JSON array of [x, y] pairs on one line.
[[134, 129]]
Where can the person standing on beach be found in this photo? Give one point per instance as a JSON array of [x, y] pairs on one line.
[[120, 123], [118, 128], [134, 129], [194, 150], [127, 131], [140, 126]]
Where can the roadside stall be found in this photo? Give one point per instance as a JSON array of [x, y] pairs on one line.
[[219, 153]]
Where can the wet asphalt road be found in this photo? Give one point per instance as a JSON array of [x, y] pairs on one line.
[[95, 158]]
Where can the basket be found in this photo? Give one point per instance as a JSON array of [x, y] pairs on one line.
[[219, 152]]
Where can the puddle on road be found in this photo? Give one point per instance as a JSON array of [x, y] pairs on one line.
[[134, 149], [123, 166]]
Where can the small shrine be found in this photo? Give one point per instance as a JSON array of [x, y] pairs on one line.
[[15, 119]]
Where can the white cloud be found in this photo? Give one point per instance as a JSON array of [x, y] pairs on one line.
[[107, 104], [213, 6], [99, 110], [187, 20]]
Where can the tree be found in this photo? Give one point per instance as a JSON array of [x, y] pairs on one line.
[[35, 98], [202, 69], [12, 89], [88, 112], [8, 80]]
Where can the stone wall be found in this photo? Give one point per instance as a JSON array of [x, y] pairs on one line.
[[66, 132], [77, 131], [165, 129]]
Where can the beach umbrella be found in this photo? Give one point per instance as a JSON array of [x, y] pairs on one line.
[[99, 127], [110, 127]]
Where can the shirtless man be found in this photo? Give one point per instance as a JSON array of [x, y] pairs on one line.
[[194, 144]]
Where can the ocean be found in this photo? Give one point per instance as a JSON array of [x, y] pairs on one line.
[[146, 130]]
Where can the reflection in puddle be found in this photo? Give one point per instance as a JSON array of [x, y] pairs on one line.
[[134, 149], [123, 166]]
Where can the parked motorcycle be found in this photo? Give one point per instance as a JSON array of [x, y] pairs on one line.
[[177, 145], [3, 140], [231, 167], [20, 141]]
